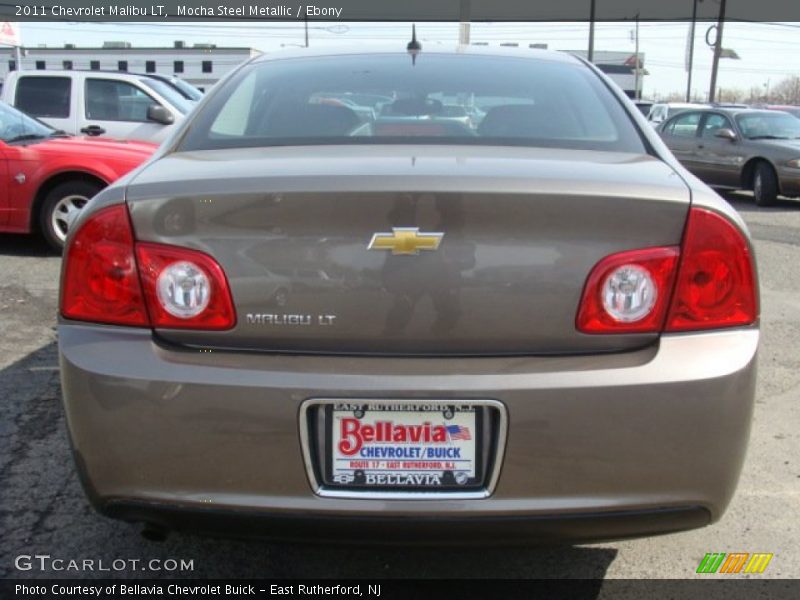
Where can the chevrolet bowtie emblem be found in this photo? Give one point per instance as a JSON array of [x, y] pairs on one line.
[[405, 240]]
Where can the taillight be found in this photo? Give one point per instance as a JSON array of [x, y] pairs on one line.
[[100, 279], [716, 285], [173, 287], [628, 292], [184, 288]]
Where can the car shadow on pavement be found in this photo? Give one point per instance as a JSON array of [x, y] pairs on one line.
[[766, 229], [24, 245], [744, 202], [43, 510]]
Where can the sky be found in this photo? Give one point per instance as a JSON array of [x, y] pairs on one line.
[[768, 51]]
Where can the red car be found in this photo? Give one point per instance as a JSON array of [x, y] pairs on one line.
[[46, 176]]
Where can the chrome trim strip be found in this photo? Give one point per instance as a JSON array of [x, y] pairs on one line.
[[327, 492]]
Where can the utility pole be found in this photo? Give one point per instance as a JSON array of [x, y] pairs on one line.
[[637, 94], [691, 52], [590, 53], [463, 26], [717, 53]]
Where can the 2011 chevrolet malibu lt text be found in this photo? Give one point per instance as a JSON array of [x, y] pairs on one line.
[[411, 295]]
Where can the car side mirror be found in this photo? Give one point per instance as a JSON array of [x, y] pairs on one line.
[[726, 134], [159, 114]]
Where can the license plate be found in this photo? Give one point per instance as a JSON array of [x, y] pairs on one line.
[[407, 446]]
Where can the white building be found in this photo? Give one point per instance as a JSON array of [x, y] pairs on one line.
[[619, 66], [202, 65]]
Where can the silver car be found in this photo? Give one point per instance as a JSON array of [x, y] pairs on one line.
[[739, 148], [540, 329], [660, 112]]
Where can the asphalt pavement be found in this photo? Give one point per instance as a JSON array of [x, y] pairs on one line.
[[43, 510]]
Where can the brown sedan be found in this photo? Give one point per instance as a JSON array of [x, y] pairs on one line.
[[746, 149], [533, 326]]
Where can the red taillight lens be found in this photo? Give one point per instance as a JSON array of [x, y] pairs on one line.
[[100, 279], [716, 285], [628, 292], [184, 288], [173, 287]]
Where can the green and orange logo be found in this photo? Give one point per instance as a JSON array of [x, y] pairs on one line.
[[735, 562]]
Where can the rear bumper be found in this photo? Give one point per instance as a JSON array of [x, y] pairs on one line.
[[598, 447], [438, 530]]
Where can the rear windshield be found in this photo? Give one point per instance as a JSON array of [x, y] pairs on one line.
[[437, 99]]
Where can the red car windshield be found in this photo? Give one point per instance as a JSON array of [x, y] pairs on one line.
[[17, 126]]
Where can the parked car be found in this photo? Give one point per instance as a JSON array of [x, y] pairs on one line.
[[663, 111], [594, 380], [365, 113], [183, 87], [728, 105], [788, 108], [119, 105], [739, 148], [375, 102], [457, 113], [644, 106], [47, 177]]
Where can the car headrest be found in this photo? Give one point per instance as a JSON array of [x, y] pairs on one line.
[[310, 120], [518, 120]]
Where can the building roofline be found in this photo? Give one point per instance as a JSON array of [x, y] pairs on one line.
[[135, 48]]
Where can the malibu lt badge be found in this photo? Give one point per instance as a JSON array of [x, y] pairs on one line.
[[273, 319]]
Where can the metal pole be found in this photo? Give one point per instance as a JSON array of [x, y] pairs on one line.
[[463, 26], [590, 54], [691, 52], [306, 22], [717, 52], [637, 94]]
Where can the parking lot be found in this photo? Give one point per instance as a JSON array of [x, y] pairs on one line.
[[44, 510]]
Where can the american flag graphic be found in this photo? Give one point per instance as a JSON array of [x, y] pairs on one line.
[[457, 432]]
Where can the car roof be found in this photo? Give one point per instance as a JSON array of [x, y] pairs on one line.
[[683, 104], [66, 72], [732, 111], [427, 48], [162, 76], [738, 110]]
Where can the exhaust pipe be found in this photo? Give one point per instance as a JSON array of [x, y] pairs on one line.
[[153, 532]]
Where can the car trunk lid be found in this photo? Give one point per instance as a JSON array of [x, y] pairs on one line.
[[518, 232]]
